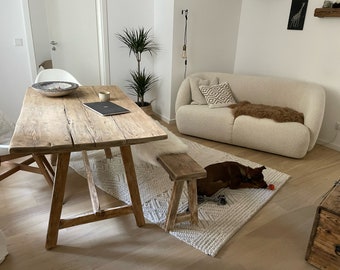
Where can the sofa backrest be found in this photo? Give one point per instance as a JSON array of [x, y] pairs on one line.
[[307, 98]]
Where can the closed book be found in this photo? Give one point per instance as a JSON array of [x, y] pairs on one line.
[[106, 108]]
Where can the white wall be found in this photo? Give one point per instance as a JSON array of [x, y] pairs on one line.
[[164, 32], [265, 46], [212, 33], [14, 64]]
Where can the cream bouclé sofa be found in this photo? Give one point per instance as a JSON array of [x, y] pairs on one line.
[[291, 139]]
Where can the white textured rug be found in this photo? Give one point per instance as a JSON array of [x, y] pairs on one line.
[[217, 223]]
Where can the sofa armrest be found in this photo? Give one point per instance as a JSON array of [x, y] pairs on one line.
[[315, 112], [183, 94]]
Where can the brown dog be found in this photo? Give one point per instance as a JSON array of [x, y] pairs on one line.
[[230, 174]]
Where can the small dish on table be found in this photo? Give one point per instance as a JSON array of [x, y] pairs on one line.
[[55, 88]]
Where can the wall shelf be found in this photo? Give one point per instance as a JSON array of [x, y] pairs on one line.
[[327, 12]]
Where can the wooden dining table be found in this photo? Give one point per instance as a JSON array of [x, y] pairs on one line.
[[61, 125]]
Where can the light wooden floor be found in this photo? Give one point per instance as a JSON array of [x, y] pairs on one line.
[[276, 238]]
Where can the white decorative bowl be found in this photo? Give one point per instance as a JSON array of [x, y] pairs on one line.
[[55, 88]]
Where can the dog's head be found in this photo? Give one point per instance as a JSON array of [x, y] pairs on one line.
[[254, 178]]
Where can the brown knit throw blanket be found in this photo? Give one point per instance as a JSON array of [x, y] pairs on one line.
[[278, 114]]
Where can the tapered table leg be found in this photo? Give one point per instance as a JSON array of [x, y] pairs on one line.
[[57, 199], [132, 184]]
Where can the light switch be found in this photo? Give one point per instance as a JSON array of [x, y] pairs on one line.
[[18, 42]]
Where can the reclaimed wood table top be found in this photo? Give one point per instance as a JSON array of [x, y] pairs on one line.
[[59, 124]]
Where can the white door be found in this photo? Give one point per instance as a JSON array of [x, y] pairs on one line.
[[72, 27]]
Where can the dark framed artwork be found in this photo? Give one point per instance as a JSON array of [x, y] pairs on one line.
[[297, 14]]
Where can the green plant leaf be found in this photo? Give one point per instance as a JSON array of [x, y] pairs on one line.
[[138, 41], [140, 83]]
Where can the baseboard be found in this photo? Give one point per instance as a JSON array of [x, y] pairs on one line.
[[173, 121], [330, 145], [164, 119]]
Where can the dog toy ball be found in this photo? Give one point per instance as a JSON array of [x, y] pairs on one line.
[[271, 187]]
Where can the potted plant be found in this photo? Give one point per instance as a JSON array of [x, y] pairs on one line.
[[139, 41]]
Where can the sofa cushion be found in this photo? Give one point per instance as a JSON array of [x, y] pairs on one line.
[[287, 139], [200, 121], [196, 95], [219, 95]]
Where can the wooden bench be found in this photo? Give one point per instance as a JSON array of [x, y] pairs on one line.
[[182, 168]]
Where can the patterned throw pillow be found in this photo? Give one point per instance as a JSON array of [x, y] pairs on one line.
[[196, 95], [219, 95]]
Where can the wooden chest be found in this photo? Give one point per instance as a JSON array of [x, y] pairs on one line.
[[324, 246]]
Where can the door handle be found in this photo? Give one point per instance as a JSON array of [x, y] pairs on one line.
[[53, 42]]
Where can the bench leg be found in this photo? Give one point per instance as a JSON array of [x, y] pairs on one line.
[[173, 205], [192, 194]]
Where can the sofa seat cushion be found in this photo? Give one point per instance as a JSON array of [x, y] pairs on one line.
[[288, 139], [201, 121]]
